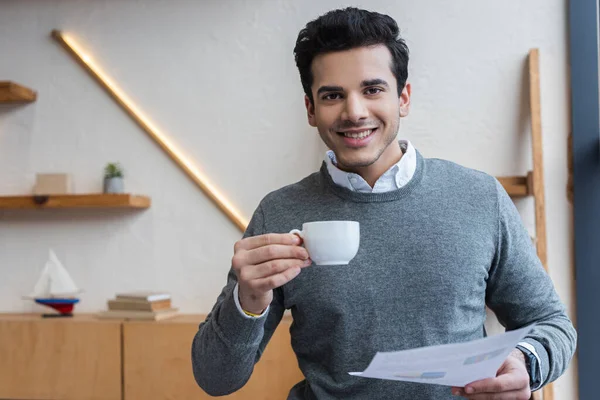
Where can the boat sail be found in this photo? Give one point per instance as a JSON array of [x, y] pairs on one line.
[[55, 288]]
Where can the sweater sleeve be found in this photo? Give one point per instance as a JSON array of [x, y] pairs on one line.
[[227, 344], [521, 293]]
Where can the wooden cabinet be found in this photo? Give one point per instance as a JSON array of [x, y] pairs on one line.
[[157, 363], [55, 358], [85, 358]]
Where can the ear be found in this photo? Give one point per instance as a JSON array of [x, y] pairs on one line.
[[404, 100], [310, 111]]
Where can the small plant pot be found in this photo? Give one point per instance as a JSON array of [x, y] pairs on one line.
[[114, 185]]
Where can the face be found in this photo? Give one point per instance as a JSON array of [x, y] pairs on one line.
[[357, 109]]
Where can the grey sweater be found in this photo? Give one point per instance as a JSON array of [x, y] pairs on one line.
[[432, 255]]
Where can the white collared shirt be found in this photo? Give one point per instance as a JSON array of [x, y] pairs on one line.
[[394, 178]]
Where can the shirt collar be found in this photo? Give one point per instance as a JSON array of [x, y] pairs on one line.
[[394, 178]]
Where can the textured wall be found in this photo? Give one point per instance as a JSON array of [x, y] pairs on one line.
[[219, 78]]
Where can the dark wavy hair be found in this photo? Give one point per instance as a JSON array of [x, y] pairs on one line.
[[346, 29]]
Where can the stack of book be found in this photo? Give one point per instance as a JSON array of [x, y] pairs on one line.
[[142, 305]]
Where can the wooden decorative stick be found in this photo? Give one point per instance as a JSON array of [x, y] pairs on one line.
[[538, 175], [161, 139]]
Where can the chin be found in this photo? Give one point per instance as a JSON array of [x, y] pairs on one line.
[[356, 162]]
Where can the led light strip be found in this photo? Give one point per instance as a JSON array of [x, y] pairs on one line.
[[160, 138]]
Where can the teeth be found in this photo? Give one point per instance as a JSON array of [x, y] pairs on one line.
[[358, 135]]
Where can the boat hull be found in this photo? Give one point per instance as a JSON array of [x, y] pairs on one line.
[[63, 306]]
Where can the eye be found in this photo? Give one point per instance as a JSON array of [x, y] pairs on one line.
[[332, 96], [373, 90]]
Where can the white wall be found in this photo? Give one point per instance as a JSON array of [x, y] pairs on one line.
[[219, 78]]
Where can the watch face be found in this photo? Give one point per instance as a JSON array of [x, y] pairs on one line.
[[528, 365], [532, 369]]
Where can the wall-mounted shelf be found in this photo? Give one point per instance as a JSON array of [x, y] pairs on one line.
[[11, 92], [100, 200]]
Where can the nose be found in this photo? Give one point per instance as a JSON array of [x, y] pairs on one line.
[[355, 109]]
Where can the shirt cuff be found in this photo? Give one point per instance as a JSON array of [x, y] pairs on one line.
[[535, 371], [236, 298]]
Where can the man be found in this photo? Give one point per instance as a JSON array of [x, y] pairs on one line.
[[439, 242]]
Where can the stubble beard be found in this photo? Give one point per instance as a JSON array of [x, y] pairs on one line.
[[361, 164]]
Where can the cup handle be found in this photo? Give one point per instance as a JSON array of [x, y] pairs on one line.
[[297, 232]]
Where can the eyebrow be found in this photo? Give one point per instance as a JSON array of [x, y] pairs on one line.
[[365, 83], [374, 82], [330, 89]]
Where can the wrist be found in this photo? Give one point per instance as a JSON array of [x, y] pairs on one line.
[[253, 312], [524, 359], [518, 354], [250, 305]]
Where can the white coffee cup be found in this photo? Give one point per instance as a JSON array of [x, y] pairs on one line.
[[330, 242]]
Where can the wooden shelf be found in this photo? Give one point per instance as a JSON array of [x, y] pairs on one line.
[[518, 186], [99, 200], [11, 92]]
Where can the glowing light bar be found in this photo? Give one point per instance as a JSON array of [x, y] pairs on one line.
[[159, 137]]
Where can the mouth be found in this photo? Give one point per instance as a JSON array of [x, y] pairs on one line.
[[357, 137]]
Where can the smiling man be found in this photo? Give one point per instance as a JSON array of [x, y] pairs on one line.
[[359, 119], [439, 242]]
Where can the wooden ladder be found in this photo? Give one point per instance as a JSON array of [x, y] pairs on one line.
[[533, 183]]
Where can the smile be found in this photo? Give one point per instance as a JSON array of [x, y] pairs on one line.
[[358, 134]]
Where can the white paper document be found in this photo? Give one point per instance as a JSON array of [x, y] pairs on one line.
[[449, 364]]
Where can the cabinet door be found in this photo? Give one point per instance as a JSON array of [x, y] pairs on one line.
[[75, 358], [157, 363]]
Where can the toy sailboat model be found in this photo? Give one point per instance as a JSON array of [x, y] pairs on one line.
[[55, 288]]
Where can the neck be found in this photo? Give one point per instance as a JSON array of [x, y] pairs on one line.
[[390, 156], [369, 197]]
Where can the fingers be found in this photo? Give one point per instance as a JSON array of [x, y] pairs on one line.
[[273, 267], [502, 383], [516, 380], [512, 383], [275, 281], [265, 262], [510, 386], [254, 242], [512, 395], [273, 252]]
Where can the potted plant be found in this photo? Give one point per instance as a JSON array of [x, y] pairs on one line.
[[113, 178]]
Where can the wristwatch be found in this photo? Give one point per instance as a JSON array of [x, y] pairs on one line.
[[533, 368]]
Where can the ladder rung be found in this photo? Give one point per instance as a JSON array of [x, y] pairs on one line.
[[517, 186]]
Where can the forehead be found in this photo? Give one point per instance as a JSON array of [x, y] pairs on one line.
[[350, 67]]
